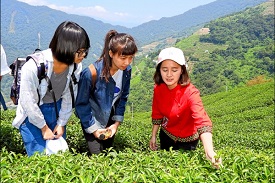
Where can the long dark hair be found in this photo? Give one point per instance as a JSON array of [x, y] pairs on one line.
[[121, 43], [184, 79], [68, 38]]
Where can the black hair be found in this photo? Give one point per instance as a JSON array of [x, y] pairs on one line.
[[184, 79], [68, 38], [121, 43]]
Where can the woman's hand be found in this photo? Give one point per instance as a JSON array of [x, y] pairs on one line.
[[58, 131], [215, 160], [98, 132], [113, 129], [47, 133], [153, 143]]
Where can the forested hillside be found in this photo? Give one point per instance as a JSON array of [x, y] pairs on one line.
[[249, 53], [237, 51]]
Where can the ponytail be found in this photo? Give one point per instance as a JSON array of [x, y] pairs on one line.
[[121, 43]]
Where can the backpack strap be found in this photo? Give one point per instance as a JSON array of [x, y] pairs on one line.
[[50, 89], [94, 74], [71, 85], [73, 76], [41, 71], [41, 74]]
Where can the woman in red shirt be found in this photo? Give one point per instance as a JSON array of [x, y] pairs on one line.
[[177, 108]]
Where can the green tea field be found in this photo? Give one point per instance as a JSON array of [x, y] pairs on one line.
[[243, 136]]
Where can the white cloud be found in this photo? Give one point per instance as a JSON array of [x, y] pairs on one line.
[[97, 12], [121, 14], [100, 9], [34, 2]]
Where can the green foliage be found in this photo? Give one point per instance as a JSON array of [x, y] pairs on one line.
[[10, 137], [238, 48], [142, 83], [245, 115], [243, 136]]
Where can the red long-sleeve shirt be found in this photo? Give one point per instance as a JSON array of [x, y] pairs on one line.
[[180, 112]]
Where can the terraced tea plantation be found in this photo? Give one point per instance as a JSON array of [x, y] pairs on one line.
[[243, 135]]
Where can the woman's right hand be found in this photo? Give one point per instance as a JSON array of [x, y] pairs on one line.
[[98, 132], [47, 133], [153, 144]]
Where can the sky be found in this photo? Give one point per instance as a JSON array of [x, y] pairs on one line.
[[122, 12]]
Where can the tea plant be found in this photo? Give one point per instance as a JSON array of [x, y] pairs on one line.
[[243, 135]]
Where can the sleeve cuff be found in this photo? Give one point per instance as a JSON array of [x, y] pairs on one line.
[[61, 123], [157, 121], [92, 129], [118, 118], [205, 129]]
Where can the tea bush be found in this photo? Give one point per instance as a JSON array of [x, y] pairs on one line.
[[243, 134]]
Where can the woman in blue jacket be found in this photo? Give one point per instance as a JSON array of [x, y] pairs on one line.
[[101, 100]]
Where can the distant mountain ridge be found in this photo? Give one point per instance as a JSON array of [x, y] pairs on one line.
[[21, 23], [180, 25]]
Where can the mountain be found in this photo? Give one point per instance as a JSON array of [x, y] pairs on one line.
[[184, 24], [21, 23], [229, 52]]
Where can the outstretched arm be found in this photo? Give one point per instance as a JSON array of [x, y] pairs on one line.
[[207, 142]]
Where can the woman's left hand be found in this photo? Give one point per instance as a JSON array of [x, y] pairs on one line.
[[113, 128], [58, 131]]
